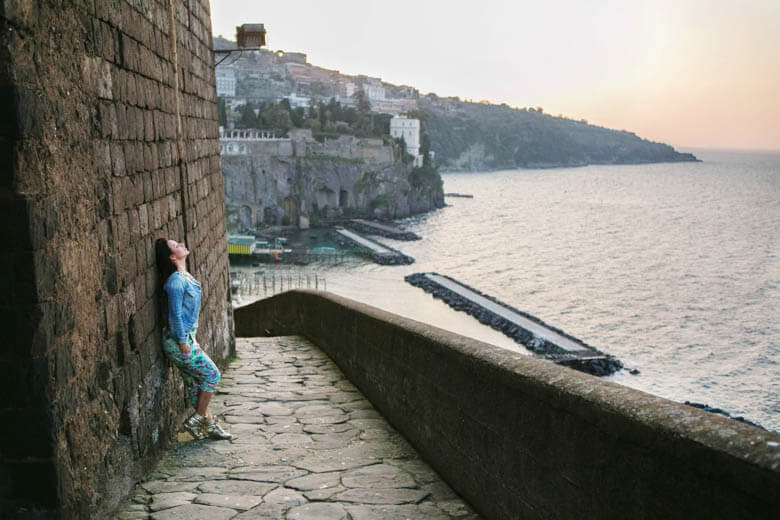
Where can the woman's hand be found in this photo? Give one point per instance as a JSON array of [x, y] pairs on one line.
[[184, 348]]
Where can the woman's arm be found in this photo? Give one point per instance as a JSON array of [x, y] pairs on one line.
[[175, 290]]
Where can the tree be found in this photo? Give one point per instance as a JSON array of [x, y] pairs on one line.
[[361, 100], [277, 117], [221, 112], [298, 116], [247, 117]]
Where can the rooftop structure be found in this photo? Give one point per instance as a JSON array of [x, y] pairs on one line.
[[250, 35]]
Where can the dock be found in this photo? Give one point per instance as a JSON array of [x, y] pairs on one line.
[[376, 228], [377, 251], [528, 330]]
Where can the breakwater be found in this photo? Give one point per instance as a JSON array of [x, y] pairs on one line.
[[376, 251], [536, 335], [522, 438], [383, 230]]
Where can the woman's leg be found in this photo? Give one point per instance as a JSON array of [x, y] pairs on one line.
[[203, 402]]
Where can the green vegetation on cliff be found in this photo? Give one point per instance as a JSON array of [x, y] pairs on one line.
[[326, 120], [474, 136]]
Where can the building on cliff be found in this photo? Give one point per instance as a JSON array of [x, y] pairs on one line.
[[299, 180], [408, 129], [265, 76], [226, 82]]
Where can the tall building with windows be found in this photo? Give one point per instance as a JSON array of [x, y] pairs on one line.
[[409, 129], [226, 82]]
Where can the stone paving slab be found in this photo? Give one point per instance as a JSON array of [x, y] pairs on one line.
[[308, 446]]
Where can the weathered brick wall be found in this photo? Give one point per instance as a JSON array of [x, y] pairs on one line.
[[108, 140]]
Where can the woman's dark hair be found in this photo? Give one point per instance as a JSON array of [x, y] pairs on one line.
[[165, 267]]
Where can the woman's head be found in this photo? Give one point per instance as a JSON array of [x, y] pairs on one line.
[[170, 254]]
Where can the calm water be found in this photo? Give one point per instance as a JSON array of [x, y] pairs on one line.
[[673, 268]]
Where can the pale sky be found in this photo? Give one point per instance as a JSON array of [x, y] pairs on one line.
[[691, 73]]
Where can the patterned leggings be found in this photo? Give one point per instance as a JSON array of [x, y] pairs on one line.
[[197, 369]]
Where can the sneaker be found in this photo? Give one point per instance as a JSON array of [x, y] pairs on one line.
[[215, 431], [194, 426]]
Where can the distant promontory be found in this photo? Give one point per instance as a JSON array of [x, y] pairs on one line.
[[470, 136]]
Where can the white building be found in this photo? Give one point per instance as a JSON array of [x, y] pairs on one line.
[[226, 82], [409, 129], [374, 90], [298, 101]]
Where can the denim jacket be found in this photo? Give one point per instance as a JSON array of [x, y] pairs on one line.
[[183, 305]]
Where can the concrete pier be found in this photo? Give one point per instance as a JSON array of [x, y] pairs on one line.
[[528, 330], [376, 228], [308, 446], [378, 252]]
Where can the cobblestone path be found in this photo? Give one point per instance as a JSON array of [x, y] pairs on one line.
[[308, 446]]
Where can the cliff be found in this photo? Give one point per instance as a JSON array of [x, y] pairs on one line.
[[300, 181], [474, 136]]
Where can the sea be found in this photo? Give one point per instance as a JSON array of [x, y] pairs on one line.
[[673, 268]]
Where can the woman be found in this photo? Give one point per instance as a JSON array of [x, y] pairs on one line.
[[183, 302]]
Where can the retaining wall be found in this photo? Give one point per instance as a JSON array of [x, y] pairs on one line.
[[108, 140], [520, 437]]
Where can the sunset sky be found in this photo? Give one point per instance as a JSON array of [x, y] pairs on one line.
[[691, 73]]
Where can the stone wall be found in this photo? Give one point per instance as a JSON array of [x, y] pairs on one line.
[[520, 437], [108, 140]]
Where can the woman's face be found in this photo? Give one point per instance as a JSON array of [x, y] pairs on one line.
[[178, 250]]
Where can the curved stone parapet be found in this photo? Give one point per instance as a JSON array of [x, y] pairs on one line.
[[585, 358], [520, 437]]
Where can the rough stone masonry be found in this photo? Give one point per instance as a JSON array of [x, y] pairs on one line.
[[108, 140]]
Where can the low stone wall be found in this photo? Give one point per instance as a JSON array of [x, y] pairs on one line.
[[520, 437]]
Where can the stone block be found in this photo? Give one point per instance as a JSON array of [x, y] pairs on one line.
[[107, 40], [148, 125], [105, 85], [131, 159], [108, 120], [111, 310], [128, 49], [156, 215], [133, 224], [143, 219], [136, 187], [101, 158], [172, 180], [130, 96], [173, 206], [150, 276], [123, 132]]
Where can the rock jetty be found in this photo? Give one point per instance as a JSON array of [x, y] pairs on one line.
[[528, 330]]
